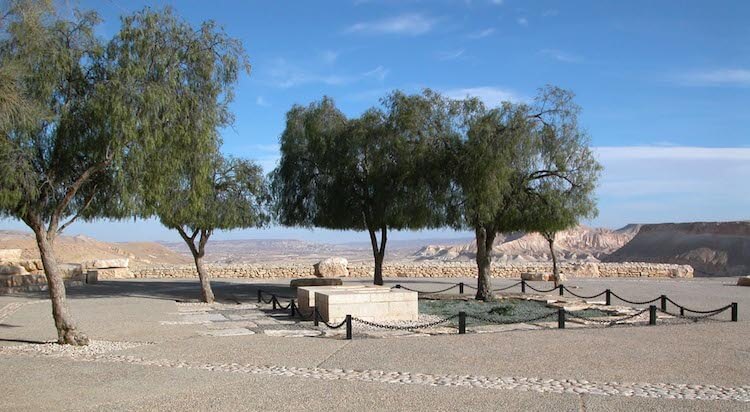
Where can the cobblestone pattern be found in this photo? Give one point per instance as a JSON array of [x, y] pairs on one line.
[[573, 386], [420, 270]]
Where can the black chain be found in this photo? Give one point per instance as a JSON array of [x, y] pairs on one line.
[[696, 318], [421, 291], [510, 321], [632, 302], [608, 322], [583, 296], [540, 290], [698, 311], [507, 287], [405, 327]]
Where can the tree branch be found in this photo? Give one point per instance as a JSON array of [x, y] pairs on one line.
[[74, 218]]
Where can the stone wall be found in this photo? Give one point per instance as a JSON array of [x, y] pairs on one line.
[[464, 269]]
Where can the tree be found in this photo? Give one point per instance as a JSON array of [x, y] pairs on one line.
[[367, 173], [106, 134], [236, 200], [507, 158]]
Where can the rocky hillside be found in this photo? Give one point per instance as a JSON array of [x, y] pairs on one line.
[[76, 249], [711, 248], [581, 244]]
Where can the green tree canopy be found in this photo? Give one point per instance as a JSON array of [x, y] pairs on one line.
[[367, 173]]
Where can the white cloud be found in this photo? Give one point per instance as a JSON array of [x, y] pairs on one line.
[[497, 2], [672, 152], [482, 33], [378, 73], [522, 21], [491, 96], [286, 75], [329, 56], [411, 24], [260, 101], [450, 54], [718, 77], [562, 56]]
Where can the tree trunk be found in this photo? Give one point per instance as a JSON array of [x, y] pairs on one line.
[[485, 239], [378, 253], [67, 331], [207, 294], [555, 269]]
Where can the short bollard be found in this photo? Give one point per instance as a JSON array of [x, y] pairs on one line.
[[291, 306], [682, 311], [397, 286], [734, 311], [259, 296], [461, 323], [273, 302], [608, 297], [663, 299], [561, 318], [523, 286], [652, 315], [315, 316], [461, 288], [349, 327], [561, 287]]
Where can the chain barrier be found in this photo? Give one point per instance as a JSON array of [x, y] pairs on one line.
[[617, 321], [703, 315], [404, 327], [583, 296], [633, 302], [540, 290], [421, 291], [508, 322], [697, 311], [507, 287]]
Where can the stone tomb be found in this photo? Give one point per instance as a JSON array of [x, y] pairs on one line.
[[373, 303]]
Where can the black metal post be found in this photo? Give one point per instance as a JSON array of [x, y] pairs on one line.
[[663, 303], [523, 286], [291, 306], [734, 311], [561, 287], [315, 316], [682, 311], [348, 327], [608, 297], [561, 318], [273, 301], [461, 288], [652, 315], [461, 323], [259, 296], [397, 286]]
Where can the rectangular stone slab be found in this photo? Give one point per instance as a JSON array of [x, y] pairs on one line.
[[306, 294], [375, 306]]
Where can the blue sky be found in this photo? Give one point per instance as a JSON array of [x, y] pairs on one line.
[[664, 86]]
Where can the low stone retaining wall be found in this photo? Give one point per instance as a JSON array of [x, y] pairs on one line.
[[464, 269]]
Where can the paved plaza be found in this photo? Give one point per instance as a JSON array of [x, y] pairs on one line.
[[153, 347]]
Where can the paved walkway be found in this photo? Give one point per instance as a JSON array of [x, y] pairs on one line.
[[146, 355]]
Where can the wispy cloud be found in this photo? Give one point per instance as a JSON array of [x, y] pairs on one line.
[[285, 75], [450, 54], [497, 2], [409, 24], [491, 96], [481, 34], [260, 101], [329, 56], [560, 55], [718, 77], [673, 152], [522, 21]]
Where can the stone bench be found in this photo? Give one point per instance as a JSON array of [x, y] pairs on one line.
[[374, 305]]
